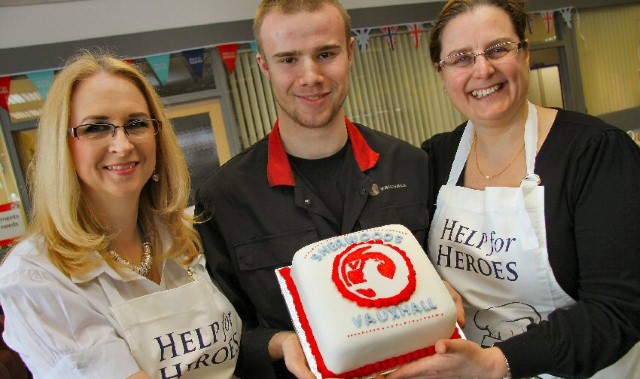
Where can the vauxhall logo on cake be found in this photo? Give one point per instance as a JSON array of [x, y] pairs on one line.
[[374, 274]]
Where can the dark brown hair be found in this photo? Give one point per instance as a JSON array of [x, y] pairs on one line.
[[454, 8]]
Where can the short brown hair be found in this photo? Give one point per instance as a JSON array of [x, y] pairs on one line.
[[453, 8], [295, 6]]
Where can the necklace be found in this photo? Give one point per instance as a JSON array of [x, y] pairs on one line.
[[475, 148], [147, 259]]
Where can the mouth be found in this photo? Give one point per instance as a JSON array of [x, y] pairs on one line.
[[121, 167], [482, 93], [313, 98]]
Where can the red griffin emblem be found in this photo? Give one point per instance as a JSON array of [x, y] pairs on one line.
[[374, 274]]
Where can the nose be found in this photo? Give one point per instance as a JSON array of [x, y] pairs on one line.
[[311, 73], [482, 67], [120, 142]]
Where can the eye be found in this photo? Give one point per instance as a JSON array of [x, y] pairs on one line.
[[497, 51], [94, 128], [287, 60], [326, 55], [138, 126], [461, 60]]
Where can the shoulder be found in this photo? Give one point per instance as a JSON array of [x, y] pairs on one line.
[[444, 141], [582, 124], [385, 144], [575, 132], [27, 268], [250, 164], [28, 254], [441, 148]]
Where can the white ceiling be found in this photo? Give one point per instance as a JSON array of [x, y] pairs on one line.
[[7, 3], [52, 21]]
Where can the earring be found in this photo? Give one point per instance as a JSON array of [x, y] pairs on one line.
[[155, 177], [444, 90]]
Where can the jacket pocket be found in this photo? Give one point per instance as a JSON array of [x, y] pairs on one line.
[[272, 251]]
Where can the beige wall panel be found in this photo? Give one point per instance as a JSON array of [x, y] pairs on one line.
[[609, 51]]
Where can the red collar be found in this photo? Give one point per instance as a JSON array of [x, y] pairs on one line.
[[279, 169]]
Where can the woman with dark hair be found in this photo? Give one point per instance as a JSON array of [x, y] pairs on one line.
[[536, 221]]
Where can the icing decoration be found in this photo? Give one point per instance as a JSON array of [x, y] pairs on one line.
[[396, 275]]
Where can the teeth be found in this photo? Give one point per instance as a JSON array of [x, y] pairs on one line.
[[480, 93], [121, 167]]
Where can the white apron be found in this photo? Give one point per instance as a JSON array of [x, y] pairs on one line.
[[191, 331], [492, 245]]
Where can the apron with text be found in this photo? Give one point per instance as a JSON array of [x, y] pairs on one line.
[[492, 244], [191, 331]]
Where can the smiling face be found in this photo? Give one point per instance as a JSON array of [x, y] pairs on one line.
[[487, 92], [116, 167], [306, 58]]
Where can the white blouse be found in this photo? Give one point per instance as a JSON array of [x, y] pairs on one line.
[[61, 326]]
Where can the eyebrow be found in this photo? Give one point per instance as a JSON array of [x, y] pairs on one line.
[[103, 118], [295, 53]]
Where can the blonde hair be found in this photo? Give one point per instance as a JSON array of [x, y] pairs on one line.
[[295, 6], [60, 212]]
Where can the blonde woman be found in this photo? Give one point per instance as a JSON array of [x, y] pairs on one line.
[[110, 281]]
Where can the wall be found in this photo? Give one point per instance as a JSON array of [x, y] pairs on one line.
[[609, 52], [77, 20], [39, 37]]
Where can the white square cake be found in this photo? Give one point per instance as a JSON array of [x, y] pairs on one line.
[[366, 302]]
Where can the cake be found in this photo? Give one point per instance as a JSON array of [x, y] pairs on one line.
[[366, 302]]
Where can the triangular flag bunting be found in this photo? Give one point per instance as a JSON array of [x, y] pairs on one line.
[[390, 33], [566, 15], [416, 31], [5, 91], [196, 60], [229, 53], [254, 46], [43, 81], [530, 18], [160, 65], [548, 17], [362, 36]]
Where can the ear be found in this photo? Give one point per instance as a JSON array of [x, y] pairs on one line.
[[351, 49], [443, 82], [264, 66]]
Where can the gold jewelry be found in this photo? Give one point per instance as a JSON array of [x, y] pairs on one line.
[[475, 148], [147, 259]]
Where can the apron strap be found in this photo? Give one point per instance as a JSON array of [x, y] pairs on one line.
[[530, 143]]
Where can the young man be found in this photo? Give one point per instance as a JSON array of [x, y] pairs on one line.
[[317, 175]]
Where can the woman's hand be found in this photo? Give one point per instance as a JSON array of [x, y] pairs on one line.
[[456, 358], [457, 299], [286, 345]]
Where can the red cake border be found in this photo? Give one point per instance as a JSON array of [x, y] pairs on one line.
[[369, 369]]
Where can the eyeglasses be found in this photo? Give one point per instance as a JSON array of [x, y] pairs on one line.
[[95, 131], [495, 53]]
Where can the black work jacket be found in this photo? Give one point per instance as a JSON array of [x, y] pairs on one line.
[[257, 215]]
